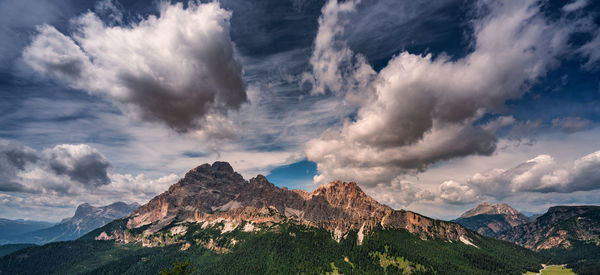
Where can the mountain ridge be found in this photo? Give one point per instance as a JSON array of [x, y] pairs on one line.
[[559, 227], [210, 194]]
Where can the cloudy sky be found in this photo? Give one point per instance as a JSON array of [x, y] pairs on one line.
[[431, 106]]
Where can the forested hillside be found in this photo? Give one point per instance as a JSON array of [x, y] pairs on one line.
[[281, 249]]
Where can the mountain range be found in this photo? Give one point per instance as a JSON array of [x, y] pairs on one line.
[[224, 224], [563, 235], [210, 194], [85, 219], [560, 227]]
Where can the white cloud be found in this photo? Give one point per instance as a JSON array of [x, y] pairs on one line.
[[421, 109], [178, 68], [335, 67], [400, 193], [541, 174], [72, 170], [80, 163], [55, 180], [457, 193], [63, 169]]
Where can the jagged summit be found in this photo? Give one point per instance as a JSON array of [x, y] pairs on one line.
[[346, 195], [216, 193]]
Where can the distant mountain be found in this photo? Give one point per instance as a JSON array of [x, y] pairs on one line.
[[12, 228], [86, 219], [560, 227], [224, 224], [563, 235], [491, 219]]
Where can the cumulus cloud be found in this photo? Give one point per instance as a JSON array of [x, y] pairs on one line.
[[421, 109], [400, 193], [59, 169], [54, 206], [541, 174], [80, 163], [571, 125], [70, 169], [178, 68], [457, 193]]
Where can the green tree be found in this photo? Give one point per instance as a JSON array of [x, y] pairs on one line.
[[178, 269]]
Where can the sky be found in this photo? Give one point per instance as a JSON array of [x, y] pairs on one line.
[[430, 106]]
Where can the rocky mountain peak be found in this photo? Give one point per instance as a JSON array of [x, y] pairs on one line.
[[491, 209], [83, 210], [218, 167], [492, 219], [345, 195], [337, 186], [223, 166], [219, 173], [261, 180]]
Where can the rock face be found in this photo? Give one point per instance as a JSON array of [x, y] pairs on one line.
[[561, 227], [86, 219], [491, 219], [215, 193]]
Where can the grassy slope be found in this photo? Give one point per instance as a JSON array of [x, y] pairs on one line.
[[557, 270], [287, 249], [553, 270]]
